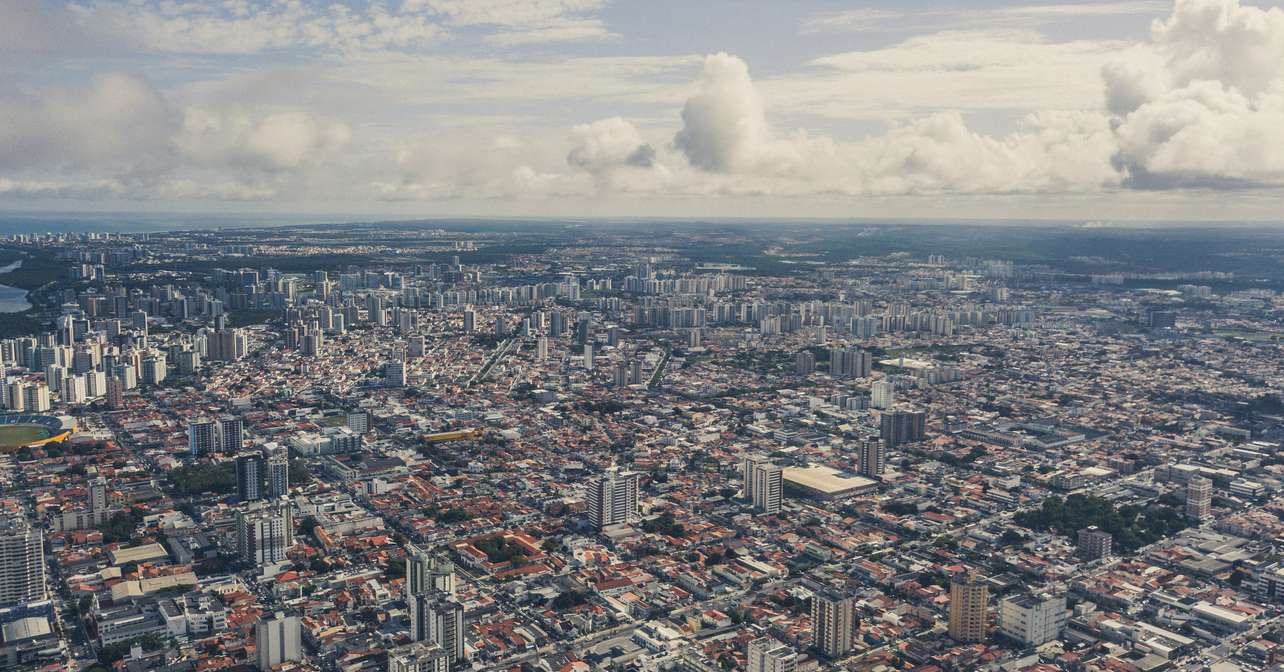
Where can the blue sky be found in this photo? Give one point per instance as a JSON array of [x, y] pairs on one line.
[[1138, 109]]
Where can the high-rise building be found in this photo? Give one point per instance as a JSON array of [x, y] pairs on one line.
[[154, 368], [22, 553], [231, 434], [1199, 498], [898, 427], [850, 363], [98, 494], [1094, 543], [969, 607], [872, 458], [249, 476], [882, 394], [438, 619], [613, 498], [764, 483], [1033, 620], [358, 421], [264, 532], [394, 373], [115, 393], [277, 639], [35, 398], [588, 357], [202, 437], [278, 472], [470, 321], [804, 364], [541, 348], [426, 573], [14, 397], [418, 657], [768, 655], [833, 619]]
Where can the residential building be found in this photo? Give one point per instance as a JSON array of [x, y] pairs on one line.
[[613, 498], [1033, 620], [833, 621], [969, 607], [277, 639]]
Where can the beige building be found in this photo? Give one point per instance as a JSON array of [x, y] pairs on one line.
[[969, 608]]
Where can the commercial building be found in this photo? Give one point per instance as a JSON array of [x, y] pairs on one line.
[[821, 482]]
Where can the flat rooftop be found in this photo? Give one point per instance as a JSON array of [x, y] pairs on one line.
[[827, 482]]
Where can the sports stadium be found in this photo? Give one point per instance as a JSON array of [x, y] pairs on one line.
[[19, 430]]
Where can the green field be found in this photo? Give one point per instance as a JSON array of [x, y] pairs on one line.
[[14, 436]]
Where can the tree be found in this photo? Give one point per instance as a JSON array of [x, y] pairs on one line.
[[119, 527]]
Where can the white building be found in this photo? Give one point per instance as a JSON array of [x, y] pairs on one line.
[[613, 498], [882, 394], [22, 552], [264, 532], [767, 655], [277, 640], [764, 484], [1033, 619]]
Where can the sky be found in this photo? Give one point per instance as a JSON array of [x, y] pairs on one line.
[[1125, 110]]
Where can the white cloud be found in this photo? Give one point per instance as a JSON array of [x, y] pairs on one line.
[[976, 70], [1203, 102], [864, 20], [245, 27], [723, 125], [608, 143], [114, 116], [725, 133], [274, 141], [1200, 104], [525, 21]]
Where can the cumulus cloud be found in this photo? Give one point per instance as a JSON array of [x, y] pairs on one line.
[[275, 141], [113, 116], [726, 136], [1202, 104], [608, 143], [723, 125]]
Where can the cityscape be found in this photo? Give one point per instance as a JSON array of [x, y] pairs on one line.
[[641, 336], [548, 446]]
